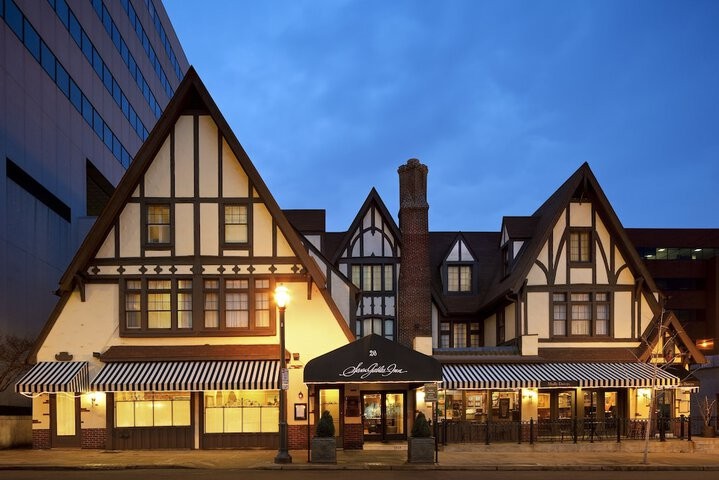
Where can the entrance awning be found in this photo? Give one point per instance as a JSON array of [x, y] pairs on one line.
[[373, 359], [51, 377], [187, 376], [548, 375]]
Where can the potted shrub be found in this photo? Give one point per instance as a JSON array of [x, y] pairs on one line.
[[324, 445], [706, 409], [420, 448]]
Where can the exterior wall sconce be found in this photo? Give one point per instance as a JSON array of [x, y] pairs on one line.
[[300, 395], [529, 395]]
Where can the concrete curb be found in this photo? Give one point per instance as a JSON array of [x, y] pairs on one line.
[[370, 466]]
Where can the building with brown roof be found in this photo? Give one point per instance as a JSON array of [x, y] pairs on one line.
[[166, 334]]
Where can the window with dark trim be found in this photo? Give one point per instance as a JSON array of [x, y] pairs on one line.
[[226, 306], [239, 304], [235, 221], [462, 334], [373, 278], [379, 325], [158, 224], [459, 278], [580, 246], [506, 259], [157, 304], [500, 327], [580, 314]]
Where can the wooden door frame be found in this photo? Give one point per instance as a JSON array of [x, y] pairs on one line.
[[65, 441]]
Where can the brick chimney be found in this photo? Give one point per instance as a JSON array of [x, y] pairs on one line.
[[414, 301]]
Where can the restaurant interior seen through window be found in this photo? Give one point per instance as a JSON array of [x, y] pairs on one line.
[[241, 411]]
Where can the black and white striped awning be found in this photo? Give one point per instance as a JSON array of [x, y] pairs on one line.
[[50, 377], [548, 375], [188, 376]]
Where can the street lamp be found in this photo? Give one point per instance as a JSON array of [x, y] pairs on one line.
[[282, 298]]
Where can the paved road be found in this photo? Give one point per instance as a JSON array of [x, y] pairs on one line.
[[192, 474]]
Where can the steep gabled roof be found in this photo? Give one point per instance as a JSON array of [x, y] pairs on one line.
[[519, 228], [670, 323], [373, 198], [191, 96], [583, 183]]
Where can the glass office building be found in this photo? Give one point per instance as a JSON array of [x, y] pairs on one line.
[[82, 83]]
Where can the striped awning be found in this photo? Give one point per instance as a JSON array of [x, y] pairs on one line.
[[50, 377], [548, 375], [188, 376]]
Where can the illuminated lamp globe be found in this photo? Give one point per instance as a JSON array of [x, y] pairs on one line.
[[282, 296]]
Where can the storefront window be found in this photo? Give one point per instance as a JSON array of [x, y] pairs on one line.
[[242, 411], [610, 405], [505, 406], [152, 409], [544, 411], [565, 405], [476, 406]]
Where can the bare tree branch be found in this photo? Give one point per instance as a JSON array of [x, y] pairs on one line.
[[13, 358]]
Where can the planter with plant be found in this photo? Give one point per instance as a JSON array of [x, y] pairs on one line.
[[706, 409], [324, 445], [420, 448]]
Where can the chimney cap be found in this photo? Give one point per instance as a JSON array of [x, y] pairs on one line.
[[411, 164]]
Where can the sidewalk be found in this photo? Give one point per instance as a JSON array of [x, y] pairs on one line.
[[462, 457]]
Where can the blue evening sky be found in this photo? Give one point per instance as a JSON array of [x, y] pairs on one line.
[[503, 100]]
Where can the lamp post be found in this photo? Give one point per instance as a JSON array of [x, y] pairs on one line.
[[282, 298]]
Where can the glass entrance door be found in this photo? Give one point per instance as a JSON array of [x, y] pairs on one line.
[[383, 416], [65, 420]]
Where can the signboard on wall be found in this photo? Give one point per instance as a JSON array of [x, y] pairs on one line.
[[373, 359], [430, 392]]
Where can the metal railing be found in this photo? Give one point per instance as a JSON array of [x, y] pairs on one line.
[[587, 429]]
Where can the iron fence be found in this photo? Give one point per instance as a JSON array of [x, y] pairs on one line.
[[571, 430]]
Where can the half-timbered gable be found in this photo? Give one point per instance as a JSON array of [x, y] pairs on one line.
[[192, 244], [368, 255], [170, 297]]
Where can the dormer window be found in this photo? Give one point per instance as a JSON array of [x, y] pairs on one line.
[[458, 269], [459, 278], [580, 246]]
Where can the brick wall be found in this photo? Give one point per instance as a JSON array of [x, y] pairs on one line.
[[297, 436], [414, 298], [353, 436], [94, 437], [41, 438]]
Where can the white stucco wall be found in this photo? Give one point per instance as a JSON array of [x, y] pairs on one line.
[[539, 321]]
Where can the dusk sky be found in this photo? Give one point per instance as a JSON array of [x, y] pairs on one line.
[[502, 100]]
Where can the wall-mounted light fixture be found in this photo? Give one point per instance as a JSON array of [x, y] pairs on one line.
[[300, 395], [529, 395]]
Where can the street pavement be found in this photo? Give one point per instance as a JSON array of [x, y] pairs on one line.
[[700, 455]]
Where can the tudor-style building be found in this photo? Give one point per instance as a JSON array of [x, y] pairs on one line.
[[568, 318], [166, 332]]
